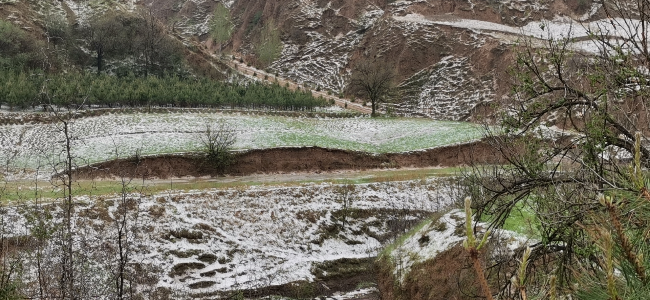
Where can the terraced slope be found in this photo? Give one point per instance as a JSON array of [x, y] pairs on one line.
[[114, 136], [451, 57]]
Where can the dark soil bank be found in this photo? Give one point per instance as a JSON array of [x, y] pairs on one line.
[[286, 160]]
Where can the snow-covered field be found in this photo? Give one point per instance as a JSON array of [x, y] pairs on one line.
[[211, 241], [122, 135]]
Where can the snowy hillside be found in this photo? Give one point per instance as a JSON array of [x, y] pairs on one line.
[[450, 57]]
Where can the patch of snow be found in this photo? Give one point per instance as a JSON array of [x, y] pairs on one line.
[[109, 136], [445, 91], [369, 18], [441, 236], [261, 236], [523, 5], [595, 6], [228, 3], [559, 28], [401, 5], [321, 61]]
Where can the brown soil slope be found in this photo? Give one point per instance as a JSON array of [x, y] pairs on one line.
[[286, 160]]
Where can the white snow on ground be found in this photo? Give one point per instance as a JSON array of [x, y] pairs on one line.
[[401, 5], [322, 60], [258, 236], [228, 3], [446, 91], [86, 10], [523, 5], [196, 22], [595, 6], [546, 29], [441, 237], [121, 135]]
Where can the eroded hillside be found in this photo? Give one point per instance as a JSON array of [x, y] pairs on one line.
[[450, 57], [447, 67]]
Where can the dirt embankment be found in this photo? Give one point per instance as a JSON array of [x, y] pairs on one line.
[[287, 160]]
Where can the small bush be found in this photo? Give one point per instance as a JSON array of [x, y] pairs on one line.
[[187, 234], [217, 143]]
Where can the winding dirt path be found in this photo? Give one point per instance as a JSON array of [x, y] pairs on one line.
[[252, 72], [264, 76]]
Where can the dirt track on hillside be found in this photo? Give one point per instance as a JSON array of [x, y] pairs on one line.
[[270, 78], [290, 160]]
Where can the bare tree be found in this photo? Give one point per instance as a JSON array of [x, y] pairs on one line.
[[125, 220], [156, 51], [71, 275], [374, 80], [217, 141], [10, 263]]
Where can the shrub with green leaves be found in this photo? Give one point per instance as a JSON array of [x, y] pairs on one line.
[[221, 26], [18, 51], [270, 46]]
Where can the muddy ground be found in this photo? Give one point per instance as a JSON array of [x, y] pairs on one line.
[[289, 160]]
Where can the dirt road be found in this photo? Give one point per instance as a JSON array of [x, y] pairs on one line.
[[251, 71]]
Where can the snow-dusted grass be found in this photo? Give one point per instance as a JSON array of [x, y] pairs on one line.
[[438, 235], [259, 236], [121, 135]]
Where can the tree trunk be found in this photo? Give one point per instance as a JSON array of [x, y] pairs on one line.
[[100, 58]]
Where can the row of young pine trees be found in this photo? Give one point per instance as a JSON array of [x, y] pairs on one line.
[[22, 90]]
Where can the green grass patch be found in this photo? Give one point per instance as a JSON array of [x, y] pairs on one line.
[[521, 220], [106, 137], [27, 191]]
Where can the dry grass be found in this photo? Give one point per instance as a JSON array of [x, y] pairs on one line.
[[448, 276], [27, 190]]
